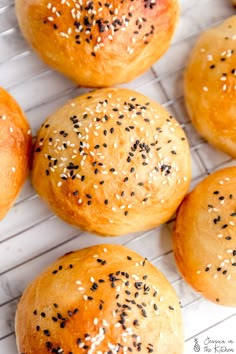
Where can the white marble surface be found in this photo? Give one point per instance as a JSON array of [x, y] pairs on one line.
[[32, 237]]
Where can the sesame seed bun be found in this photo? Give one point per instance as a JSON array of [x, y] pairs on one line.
[[102, 299], [15, 143], [98, 43], [112, 162], [210, 86], [205, 245]]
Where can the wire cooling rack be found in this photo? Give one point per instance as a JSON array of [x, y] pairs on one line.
[[31, 237]]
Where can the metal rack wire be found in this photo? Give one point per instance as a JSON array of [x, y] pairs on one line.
[[24, 248]]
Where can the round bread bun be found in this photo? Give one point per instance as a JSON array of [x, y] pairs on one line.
[[101, 299], [15, 143], [98, 43], [210, 86], [205, 237], [112, 162]]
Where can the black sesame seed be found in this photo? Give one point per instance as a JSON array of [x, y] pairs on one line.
[[63, 324], [46, 332]]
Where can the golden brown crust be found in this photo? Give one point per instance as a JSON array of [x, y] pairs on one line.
[[98, 44], [96, 300], [112, 162], [205, 237], [15, 142], [210, 86]]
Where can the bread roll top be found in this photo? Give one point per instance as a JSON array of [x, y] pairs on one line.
[[98, 43], [112, 162], [102, 299], [15, 143], [204, 237]]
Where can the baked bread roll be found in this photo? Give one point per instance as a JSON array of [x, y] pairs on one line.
[[112, 162], [15, 143], [205, 237], [210, 86], [102, 299], [98, 43]]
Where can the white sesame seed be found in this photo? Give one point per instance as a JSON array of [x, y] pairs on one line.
[[224, 88]]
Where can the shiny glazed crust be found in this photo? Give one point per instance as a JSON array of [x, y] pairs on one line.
[[98, 43], [210, 86], [15, 143], [205, 237], [102, 299], [112, 162]]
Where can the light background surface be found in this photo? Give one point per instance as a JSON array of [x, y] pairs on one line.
[[31, 237]]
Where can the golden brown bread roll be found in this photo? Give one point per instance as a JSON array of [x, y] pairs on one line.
[[15, 143], [98, 43], [112, 162], [210, 86], [205, 237], [102, 299]]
